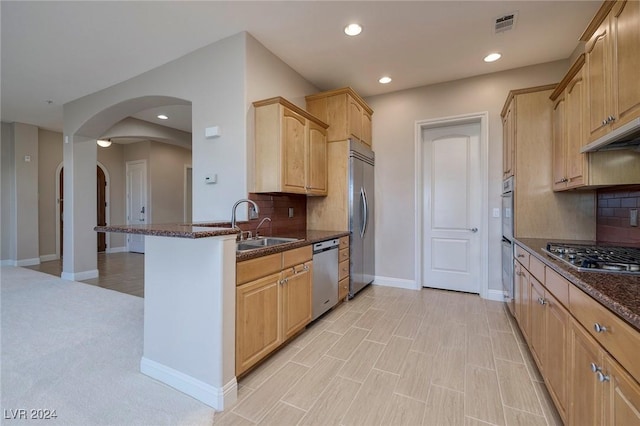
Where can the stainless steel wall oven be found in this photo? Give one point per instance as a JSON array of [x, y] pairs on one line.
[[507, 242]]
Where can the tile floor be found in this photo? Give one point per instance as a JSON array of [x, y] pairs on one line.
[[399, 357], [387, 357]]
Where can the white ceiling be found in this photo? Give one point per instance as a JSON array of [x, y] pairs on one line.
[[63, 50]]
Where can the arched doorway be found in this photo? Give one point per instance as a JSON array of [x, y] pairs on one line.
[[101, 207]]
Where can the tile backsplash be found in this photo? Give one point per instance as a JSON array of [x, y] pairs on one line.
[[614, 207], [276, 207]]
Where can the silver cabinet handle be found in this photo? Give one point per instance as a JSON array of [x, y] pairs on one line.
[[365, 213], [595, 368], [473, 229], [604, 122], [542, 301], [599, 328], [602, 377], [520, 255]]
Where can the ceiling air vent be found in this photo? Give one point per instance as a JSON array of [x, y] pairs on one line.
[[505, 22]]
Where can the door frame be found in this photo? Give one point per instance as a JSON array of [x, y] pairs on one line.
[[185, 208], [420, 126], [107, 213], [127, 207]]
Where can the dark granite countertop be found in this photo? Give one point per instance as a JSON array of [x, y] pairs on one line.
[[304, 239], [620, 293], [177, 230]]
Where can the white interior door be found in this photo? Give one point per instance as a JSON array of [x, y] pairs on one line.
[[452, 189], [137, 209]]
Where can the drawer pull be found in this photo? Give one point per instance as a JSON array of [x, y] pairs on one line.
[[602, 377], [595, 368], [599, 328], [520, 255], [542, 301]]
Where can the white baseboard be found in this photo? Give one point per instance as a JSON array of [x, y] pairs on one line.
[[79, 276], [48, 257], [28, 262], [396, 282], [497, 295], [116, 249], [215, 397], [8, 262]]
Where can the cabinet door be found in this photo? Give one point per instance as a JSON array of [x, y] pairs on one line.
[[257, 327], [366, 128], [296, 298], [575, 135], [317, 160], [537, 323], [597, 52], [293, 152], [522, 292], [559, 145], [556, 350], [508, 141], [586, 392], [625, 29], [622, 396], [355, 118]]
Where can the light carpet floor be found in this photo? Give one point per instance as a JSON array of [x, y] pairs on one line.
[[76, 348]]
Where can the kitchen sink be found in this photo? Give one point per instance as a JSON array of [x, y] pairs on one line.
[[257, 243]]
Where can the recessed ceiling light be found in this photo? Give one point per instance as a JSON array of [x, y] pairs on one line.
[[352, 29], [492, 57], [105, 143], [385, 80], [163, 117]]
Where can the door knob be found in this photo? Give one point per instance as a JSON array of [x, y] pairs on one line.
[[473, 229]]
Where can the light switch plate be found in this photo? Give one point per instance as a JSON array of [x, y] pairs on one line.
[[290, 211], [496, 212], [633, 217]]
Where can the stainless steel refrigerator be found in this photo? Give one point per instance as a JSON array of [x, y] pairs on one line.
[[361, 216]]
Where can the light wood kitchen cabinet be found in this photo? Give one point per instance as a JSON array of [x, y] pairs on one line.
[[343, 268], [296, 298], [622, 396], [585, 406], [537, 323], [612, 62], [569, 116], [539, 212], [556, 349], [347, 114], [508, 139], [290, 149], [522, 296], [273, 303]]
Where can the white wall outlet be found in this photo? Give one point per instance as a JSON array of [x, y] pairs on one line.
[[212, 178], [212, 132], [633, 217], [290, 211], [496, 212], [27, 158]]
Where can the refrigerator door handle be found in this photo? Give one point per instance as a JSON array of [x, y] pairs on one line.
[[365, 213]]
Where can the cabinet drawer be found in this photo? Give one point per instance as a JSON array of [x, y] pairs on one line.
[[296, 256], [343, 288], [536, 267], [344, 242], [343, 270], [343, 255], [522, 255], [253, 269], [557, 285], [618, 338]]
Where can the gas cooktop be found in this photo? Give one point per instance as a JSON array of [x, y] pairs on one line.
[[594, 258]]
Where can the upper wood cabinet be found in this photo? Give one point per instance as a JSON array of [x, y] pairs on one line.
[[569, 114], [290, 149], [347, 114], [612, 62], [508, 139]]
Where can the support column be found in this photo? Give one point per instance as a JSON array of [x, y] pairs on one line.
[[79, 260]]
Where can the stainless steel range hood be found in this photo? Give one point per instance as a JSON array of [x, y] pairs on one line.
[[624, 137]]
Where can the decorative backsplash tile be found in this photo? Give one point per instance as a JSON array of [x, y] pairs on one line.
[[614, 207], [276, 207]]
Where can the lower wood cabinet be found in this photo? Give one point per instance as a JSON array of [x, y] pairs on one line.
[[273, 303], [589, 358]]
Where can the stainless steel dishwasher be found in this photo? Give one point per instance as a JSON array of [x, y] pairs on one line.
[[325, 276]]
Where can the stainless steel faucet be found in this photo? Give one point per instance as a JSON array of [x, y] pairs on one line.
[[260, 224], [233, 212]]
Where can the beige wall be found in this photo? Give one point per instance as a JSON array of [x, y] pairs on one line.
[[50, 150], [7, 194], [167, 181], [26, 189], [394, 139]]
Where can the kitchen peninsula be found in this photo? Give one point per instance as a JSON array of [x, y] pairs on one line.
[[189, 308]]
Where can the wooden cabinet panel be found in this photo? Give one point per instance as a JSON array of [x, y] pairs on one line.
[[296, 256], [597, 53], [625, 29], [290, 149], [559, 158], [296, 298], [522, 298], [537, 322], [344, 242], [619, 338], [508, 141], [522, 256], [536, 268], [622, 396], [367, 130], [343, 288], [556, 352], [343, 255], [585, 406], [355, 118], [558, 285], [257, 321], [250, 270], [343, 270], [575, 134]]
